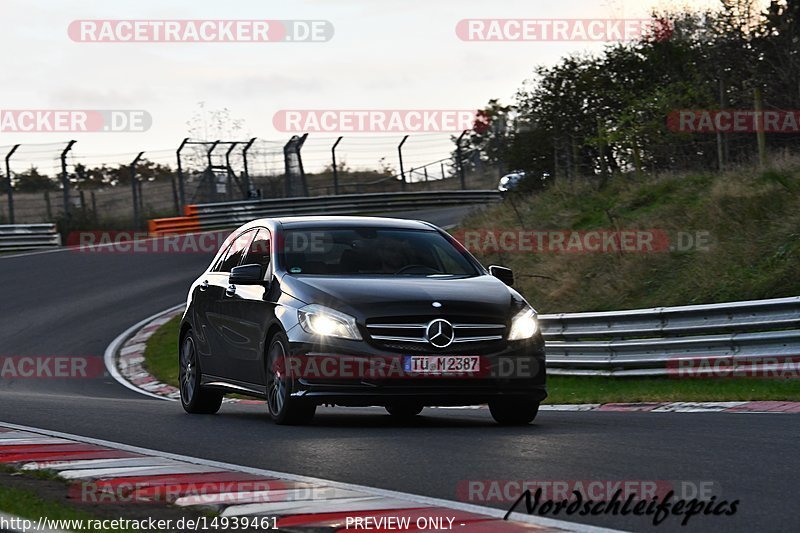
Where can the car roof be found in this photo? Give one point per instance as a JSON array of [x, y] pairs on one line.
[[328, 222]]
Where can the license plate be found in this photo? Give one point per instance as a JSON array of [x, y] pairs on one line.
[[442, 364]]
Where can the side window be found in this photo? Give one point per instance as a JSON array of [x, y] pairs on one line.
[[221, 258], [258, 253], [233, 256]]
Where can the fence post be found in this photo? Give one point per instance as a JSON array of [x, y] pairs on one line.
[[229, 170], [65, 177], [181, 194], [294, 146], [298, 147], [49, 206], [335, 170], [760, 129], [288, 167], [94, 207], [135, 191], [248, 187], [175, 200], [400, 155], [10, 184], [461, 173]]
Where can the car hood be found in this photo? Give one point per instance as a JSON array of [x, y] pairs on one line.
[[367, 297]]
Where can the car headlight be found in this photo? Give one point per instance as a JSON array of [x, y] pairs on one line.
[[524, 325], [326, 322]]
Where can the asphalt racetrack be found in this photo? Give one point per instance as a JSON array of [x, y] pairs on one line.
[[72, 303]]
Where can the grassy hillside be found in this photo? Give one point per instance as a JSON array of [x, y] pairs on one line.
[[751, 218]]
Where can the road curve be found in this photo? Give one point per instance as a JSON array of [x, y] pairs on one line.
[[70, 303]]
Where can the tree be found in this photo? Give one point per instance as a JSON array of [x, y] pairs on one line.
[[32, 181]]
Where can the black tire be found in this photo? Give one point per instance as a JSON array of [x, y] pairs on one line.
[[194, 398], [282, 407], [404, 410], [513, 411]]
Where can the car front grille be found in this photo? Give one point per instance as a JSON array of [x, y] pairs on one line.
[[411, 335]]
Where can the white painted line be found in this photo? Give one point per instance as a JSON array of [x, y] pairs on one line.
[[102, 473], [345, 505], [87, 464], [28, 442], [309, 494], [111, 353], [20, 435], [570, 407], [696, 407], [414, 499]]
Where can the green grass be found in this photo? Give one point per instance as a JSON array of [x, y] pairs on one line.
[[161, 354], [571, 390], [161, 361], [752, 219], [27, 504]]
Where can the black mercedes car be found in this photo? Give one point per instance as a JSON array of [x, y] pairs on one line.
[[358, 311]]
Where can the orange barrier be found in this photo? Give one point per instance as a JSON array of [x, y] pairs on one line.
[[191, 210], [167, 226]]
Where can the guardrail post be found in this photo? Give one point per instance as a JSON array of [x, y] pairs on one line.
[[248, 187], [135, 191], [181, 194], [335, 170], [400, 155], [10, 184], [461, 173], [65, 177]]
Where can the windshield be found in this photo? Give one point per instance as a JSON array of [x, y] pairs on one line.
[[371, 251]]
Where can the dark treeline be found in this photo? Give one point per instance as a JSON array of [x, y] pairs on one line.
[[594, 115], [86, 178]]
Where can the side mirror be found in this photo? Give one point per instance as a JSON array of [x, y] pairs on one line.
[[247, 275], [503, 274]]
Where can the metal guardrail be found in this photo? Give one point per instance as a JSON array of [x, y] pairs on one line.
[[226, 214], [28, 236], [667, 340]]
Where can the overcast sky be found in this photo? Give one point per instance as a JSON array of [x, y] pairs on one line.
[[386, 54]]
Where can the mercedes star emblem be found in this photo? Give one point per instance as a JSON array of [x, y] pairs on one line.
[[440, 333]]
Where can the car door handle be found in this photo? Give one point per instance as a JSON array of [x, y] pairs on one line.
[[203, 286], [231, 290]]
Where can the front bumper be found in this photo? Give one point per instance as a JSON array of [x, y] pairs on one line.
[[359, 373]]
